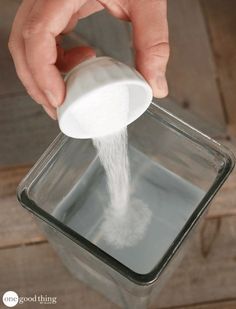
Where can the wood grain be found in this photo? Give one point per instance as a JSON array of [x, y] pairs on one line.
[[10, 178], [26, 130], [17, 226], [206, 277], [220, 18], [185, 113], [227, 304], [9, 83], [191, 69], [224, 204]]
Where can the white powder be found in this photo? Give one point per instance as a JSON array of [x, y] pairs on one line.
[[125, 218], [127, 229], [112, 151]]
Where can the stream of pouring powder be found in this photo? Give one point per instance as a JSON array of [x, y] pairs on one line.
[[112, 151], [126, 218]]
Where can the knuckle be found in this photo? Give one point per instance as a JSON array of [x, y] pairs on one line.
[[31, 28], [161, 49], [140, 3]]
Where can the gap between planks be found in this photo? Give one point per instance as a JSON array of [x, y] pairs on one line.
[[219, 304], [25, 244]]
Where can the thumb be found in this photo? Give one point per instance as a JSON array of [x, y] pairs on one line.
[[150, 36]]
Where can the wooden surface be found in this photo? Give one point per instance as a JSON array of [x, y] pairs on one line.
[[220, 17], [206, 278], [191, 69]]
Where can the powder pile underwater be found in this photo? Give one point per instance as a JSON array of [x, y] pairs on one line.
[[126, 218]]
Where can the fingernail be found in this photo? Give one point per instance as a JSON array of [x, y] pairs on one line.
[[51, 98], [160, 87]]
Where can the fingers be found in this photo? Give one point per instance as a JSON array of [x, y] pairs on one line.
[[150, 36], [66, 60], [33, 45], [46, 20], [90, 7], [17, 49], [118, 9]]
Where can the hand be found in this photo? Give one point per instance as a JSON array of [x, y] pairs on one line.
[[38, 57]]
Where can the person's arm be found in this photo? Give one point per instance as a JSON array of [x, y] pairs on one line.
[[35, 43]]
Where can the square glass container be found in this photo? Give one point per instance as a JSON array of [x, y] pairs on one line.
[[175, 171]]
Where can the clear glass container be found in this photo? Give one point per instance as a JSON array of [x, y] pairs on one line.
[[175, 171]]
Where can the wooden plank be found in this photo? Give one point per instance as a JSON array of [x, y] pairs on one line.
[[219, 305], [191, 69], [221, 20], [9, 83], [10, 178], [224, 204], [227, 304], [17, 226], [184, 113], [26, 130]]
